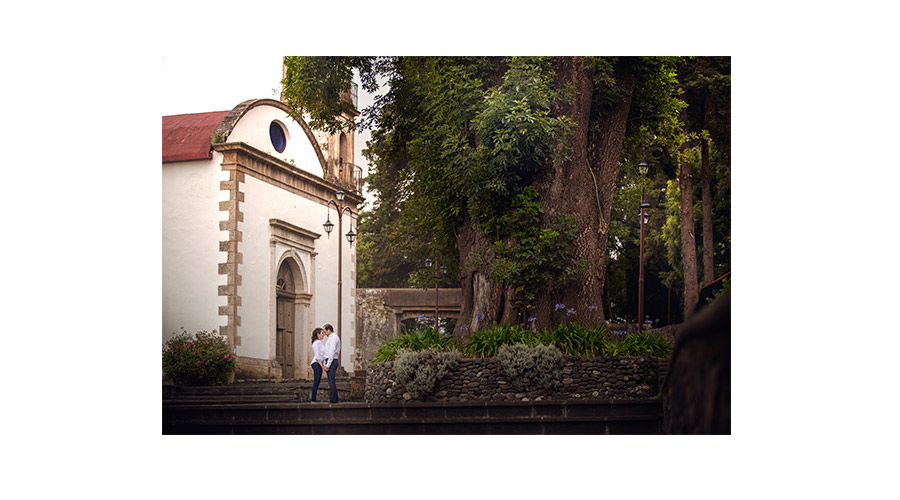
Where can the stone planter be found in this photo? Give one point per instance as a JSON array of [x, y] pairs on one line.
[[483, 379]]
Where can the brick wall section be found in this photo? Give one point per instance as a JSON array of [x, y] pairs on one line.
[[483, 379]]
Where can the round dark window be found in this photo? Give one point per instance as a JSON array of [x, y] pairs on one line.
[[276, 134]]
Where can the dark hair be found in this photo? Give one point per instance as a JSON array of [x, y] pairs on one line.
[[316, 334], [328, 327]]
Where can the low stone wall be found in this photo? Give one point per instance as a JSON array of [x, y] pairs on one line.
[[252, 368], [483, 379]]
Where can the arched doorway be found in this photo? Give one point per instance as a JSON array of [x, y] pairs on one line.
[[285, 295]]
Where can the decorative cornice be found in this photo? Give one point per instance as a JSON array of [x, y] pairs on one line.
[[287, 226], [291, 235], [245, 158]]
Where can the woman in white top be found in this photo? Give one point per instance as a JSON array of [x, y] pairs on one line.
[[318, 348]]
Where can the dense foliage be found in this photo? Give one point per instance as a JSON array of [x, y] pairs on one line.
[[569, 338], [420, 339], [701, 113], [479, 163], [199, 359]]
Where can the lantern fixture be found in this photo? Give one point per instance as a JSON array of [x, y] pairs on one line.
[[643, 167]]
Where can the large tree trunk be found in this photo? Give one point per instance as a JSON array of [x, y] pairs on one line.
[[688, 242], [483, 302], [606, 142], [708, 247], [581, 185]]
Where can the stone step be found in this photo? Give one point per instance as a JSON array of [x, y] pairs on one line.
[[259, 392], [540, 417]]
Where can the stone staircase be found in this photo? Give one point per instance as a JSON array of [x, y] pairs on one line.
[[288, 391], [283, 408]]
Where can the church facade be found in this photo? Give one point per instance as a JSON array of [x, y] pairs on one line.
[[245, 195]]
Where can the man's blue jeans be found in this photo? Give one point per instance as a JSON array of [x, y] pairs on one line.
[[332, 388]]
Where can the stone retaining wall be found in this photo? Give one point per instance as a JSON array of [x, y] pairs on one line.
[[483, 379]]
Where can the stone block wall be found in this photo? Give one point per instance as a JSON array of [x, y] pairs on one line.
[[483, 379], [374, 324], [252, 368]]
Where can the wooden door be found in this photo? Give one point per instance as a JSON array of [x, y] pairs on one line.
[[284, 336]]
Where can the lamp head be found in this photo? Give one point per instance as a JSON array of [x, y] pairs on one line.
[[643, 167], [339, 195]]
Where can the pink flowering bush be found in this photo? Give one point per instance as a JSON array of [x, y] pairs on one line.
[[199, 359]]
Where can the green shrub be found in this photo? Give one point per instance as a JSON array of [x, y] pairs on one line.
[[531, 366], [485, 342], [421, 371], [199, 359], [645, 343], [570, 338], [574, 340], [419, 339], [725, 288]]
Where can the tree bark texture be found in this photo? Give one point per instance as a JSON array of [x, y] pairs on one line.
[[688, 242], [580, 185], [708, 247]]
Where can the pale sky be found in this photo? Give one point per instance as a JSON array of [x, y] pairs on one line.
[[203, 83]]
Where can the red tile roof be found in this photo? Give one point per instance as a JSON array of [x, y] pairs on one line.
[[187, 137]]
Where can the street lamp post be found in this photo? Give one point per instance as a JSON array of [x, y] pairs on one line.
[[642, 167], [443, 270], [328, 225]]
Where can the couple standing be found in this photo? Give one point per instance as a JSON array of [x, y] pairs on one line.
[[325, 357]]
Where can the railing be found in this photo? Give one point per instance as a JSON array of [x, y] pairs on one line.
[[353, 96], [350, 176]]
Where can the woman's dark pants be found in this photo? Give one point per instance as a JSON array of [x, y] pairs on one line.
[[317, 377]]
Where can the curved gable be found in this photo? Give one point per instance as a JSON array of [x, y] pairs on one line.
[[232, 129]]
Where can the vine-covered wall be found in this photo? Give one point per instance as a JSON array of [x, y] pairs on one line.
[[484, 379]]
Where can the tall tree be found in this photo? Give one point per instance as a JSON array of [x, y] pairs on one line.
[[707, 90], [688, 241], [492, 162], [706, 201]]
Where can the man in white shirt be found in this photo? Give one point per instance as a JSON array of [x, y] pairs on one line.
[[332, 361]]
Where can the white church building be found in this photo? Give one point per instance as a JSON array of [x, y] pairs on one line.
[[245, 195]]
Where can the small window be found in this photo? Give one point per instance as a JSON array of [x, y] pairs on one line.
[[276, 134]]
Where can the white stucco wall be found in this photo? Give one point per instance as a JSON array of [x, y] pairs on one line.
[[253, 129], [262, 202], [191, 256], [190, 246]]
